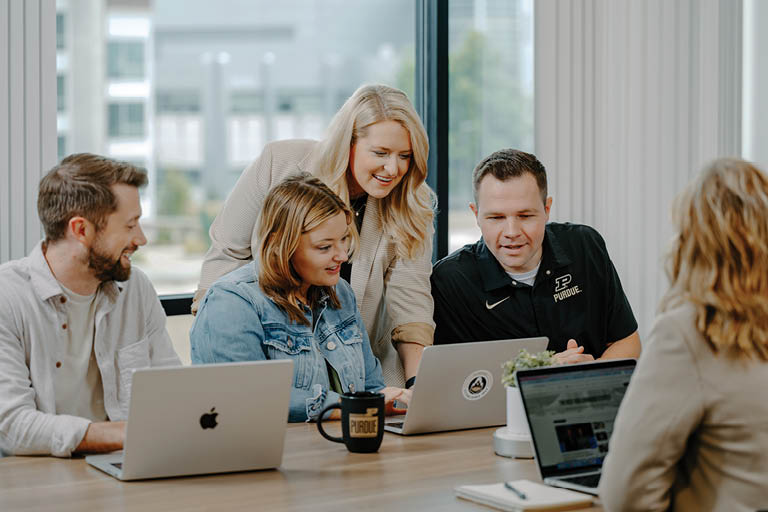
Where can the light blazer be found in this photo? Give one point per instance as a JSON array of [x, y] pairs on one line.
[[692, 430], [393, 294]]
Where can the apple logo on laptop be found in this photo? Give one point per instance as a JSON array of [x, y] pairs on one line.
[[208, 420]]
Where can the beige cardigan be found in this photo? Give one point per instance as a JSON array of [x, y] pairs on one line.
[[393, 294], [692, 430]]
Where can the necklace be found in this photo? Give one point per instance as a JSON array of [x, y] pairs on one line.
[[358, 204]]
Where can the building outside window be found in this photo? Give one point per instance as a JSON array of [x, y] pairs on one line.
[[125, 60], [126, 120], [194, 89]]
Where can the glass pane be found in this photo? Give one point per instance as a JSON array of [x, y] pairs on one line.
[[125, 59], [60, 30], [490, 95], [61, 95], [193, 89]]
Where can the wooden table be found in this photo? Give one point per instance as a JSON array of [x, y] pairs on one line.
[[408, 473]]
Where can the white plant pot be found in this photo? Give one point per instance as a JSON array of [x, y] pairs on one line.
[[514, 440], [516, 422]]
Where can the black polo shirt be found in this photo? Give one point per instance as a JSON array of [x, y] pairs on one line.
[[577, 294]]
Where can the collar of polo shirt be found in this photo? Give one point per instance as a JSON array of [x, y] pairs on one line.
[[494, 276]]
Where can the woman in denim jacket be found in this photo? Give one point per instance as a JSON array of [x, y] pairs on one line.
[[291, 304]]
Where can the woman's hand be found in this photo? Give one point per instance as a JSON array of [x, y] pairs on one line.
[[390, 395]]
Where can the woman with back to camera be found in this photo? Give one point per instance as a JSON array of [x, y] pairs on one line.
[[292, 304], [692, 430], [375, 158]]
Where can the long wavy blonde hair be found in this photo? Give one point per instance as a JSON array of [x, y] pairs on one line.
[[295, 206], [406, 212], [719, 259]]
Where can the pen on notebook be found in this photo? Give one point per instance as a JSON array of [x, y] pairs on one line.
[[519, 493]]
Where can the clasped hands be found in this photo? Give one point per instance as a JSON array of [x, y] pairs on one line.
[[573, 353]]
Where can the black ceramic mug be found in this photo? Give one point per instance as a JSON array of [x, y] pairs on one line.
[[362, 421]]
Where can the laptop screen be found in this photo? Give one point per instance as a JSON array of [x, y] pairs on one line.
[[571, 410]]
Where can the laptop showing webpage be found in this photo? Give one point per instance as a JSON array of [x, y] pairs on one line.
[[459, 386], [191, 420], [570, 411]]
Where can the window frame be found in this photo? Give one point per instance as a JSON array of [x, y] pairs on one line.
[[431, 102]]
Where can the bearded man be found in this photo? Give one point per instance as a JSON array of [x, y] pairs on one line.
[[75, 320]]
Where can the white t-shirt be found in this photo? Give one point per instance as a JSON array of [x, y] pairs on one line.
[[78, 387], [528, 277]]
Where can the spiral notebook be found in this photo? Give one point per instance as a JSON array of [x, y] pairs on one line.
[[537, 496]]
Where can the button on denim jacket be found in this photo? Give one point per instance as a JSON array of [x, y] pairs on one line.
[[238, 322]]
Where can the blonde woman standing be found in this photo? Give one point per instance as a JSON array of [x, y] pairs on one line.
[[292, 305], [375, 158], [692, 430]]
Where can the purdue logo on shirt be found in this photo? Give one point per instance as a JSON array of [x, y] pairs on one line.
[[562, 291]]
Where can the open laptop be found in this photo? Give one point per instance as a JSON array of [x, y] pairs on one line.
[[570, 411], [192, 420], [459, 386]]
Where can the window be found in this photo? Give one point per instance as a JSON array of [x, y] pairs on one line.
[[61, 147], [194, 89], [125, 60], [490, 95], [61, 94], [126, 120], [60, 20]]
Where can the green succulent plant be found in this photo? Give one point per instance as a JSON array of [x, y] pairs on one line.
[[524, 360]]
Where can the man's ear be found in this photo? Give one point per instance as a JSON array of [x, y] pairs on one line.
[[81, 229], [548, 206], [473, 207]]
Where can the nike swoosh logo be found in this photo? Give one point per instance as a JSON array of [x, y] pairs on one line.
[[491, 306]]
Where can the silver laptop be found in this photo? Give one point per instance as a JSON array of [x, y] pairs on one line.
[[192, 420], [570, 411], [459, 386]]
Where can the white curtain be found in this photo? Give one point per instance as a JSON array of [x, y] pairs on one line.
[[27, 117], [632, 98]]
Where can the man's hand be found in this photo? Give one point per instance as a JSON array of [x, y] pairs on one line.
[[105, 436], [573, 353]]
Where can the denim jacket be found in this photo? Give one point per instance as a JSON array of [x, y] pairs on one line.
[[238, 322]]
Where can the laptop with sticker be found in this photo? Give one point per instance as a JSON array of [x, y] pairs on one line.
[[459, 387], [192, 420], [570, 411]]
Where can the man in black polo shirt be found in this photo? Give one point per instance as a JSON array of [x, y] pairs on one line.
[[526, 278]]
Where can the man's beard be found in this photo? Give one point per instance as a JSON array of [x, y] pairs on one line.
[[105, 268]]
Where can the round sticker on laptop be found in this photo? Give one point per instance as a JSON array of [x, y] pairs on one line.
[[477, 385]]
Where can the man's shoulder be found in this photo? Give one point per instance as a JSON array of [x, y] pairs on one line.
[[574, 232], [461, 260], [16, 277], [14, 271], [577, 239]]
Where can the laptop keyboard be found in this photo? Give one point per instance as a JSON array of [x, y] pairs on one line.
[[586, 481]]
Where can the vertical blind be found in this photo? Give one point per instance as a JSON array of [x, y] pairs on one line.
[[27, 117], [632, 98]]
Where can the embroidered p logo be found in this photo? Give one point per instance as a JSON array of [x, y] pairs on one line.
[[562, 282]]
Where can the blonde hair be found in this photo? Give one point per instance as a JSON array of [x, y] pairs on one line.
[[719, 259], [406, 212], [297, 205]]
